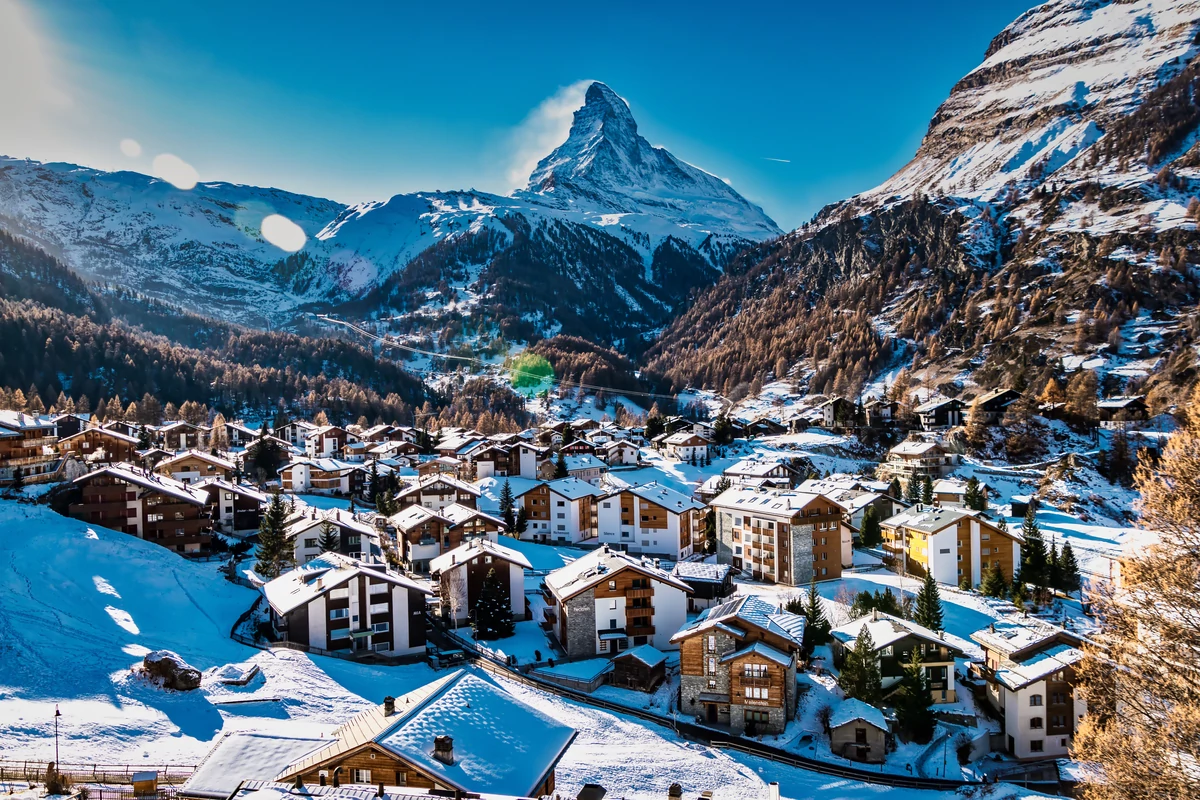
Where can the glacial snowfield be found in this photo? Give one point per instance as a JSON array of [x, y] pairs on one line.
[[79, 606]]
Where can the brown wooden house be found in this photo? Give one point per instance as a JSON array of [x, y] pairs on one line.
[[100, 445], [444, 736], [27, 448], [643, 668], [152, 507], [459, 575]]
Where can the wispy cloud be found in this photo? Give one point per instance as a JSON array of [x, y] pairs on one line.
[[544, 129], [778, 160]]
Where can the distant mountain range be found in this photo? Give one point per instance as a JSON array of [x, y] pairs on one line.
[[606, 241]]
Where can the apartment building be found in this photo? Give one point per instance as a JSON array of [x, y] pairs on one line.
[[192, 465], [651, 519], [27, 448], [952, 543], [895, 639], [100, 445], [437, 491], [1029, 667], [607, 601], [783, 537], [737, 665], [153, 507], [355, 539], [917, 459], [458, 577]]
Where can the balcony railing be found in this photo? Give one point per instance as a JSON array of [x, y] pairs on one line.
[[638, 593], [640, 630]]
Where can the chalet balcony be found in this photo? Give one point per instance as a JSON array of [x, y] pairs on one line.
[[632, 594], [764, 681], [640, 630], [550, 615], [27, 460]]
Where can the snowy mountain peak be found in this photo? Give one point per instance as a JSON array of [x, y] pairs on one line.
[[606, 166]]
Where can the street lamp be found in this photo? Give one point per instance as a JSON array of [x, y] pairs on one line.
[[57, 714]]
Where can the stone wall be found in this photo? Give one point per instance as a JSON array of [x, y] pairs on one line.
[[580, 613], [801, 549]]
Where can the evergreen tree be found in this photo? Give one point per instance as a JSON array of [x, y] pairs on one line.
[[994, 584], [871, 533], [143, 442], [1019, 594], [373, 489], [929, 605], [914, 702], [506, 506], [522, 523], [275, 555], [329, 539], [927, 491], [1035, 566], [18, 480], [974, 498], [912, 490], [894, 490], [817, 626], [560, 466], [1053, 568], [493, 615], [1068, 571], [860, 675]]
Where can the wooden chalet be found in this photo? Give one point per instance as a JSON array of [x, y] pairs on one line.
[[235, 509], [180, 435], [147, 505], [642, 668], [100, 445], [458, 577], [27, 448], [194, 465], [895, 639]]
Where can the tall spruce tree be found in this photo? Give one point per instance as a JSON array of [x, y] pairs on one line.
[[927, 491], [816, 625], [871, 533], [929, 605], [860, 676], [1068, 571], [894, 490], [506, 506], [914, 702], [994, 584], [912, 490], [275, 553], [493, 615], [329, 539], [1035, 562], [560, 465]]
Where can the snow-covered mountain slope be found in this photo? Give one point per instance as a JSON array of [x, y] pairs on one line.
[[1050, 214], [1051, 84], [621, 229]]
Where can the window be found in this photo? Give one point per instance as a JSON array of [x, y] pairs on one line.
[[381, 627], [1035, 723], [310, 542], [378, 608], [604, 645], [712, 644], [179, 531], [1035, 699], [339, 594], [1058, 698], [946, 551], [378, 588], [712, 666], [860, 735], [887, 651], [757, 716], [352, 541], [339, 633], [755, 670], [606, 505], [612, 605], [612, 585], [560, 504], [1035, 745], [712, 684], [985, 536], [339, 613], [756, 693], [362, 776], [612, 624]]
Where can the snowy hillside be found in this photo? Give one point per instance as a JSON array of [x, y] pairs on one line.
[[626, 227], [1049, 87]]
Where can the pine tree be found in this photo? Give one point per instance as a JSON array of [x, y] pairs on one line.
[[386, 503], [927, 491], [894, 490], [974, 497], [912, 490], [493, 615], [871, 533], [994, 584], [1019, 594], [522, 521], [1053, 567], [1068, 571], [816, 626], [1035, 567], [929, 605], [329, 539], [506, 506], [143, 442], [275, 554], [914, 701], [560, 466], [860, 675], [373, 489]]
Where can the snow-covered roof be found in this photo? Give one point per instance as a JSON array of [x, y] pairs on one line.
[[413, 516], [1008, 636], [431, 480], [683, 437], [854, 710], [198, 454], [757, 467], [472, 550], [766, 501], [324, 573], [122, 437], [1121, 402], [501, 744], [572, 488], [933, 405], [583, 461], [20, 421], [886, 630], [599, 565], [648, 654], [914, 447], [313, 517], [244, 755], [760, 648], [149, 480], [701, 571], [236, 488], [1039, 666], [457, 513], [330, 465], [665, 497], [746, 609], [179, 423]]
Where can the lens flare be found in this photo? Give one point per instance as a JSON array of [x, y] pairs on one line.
[[175, 171], [283, 233], [131, 147]]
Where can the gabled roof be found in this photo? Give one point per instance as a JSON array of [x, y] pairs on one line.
[[1014, 638], [474, 549], [664, 496], [458, 514], [599, 565], [1122, 402], [734, 615], [915, 447], [762, 649], [20, 421], [583, 461], [311, 517], [150, 480], [430, 480], [244, 755], [501, 744], [682, 437], [123, 437], [413, 516], [572, 488], [331, 465], [305, 583], [854, 710], [701, 572], [228, 486], [179, 423], [758, 467], [200, 454], [769, 502], [933, 405], [648, 654], [886, 630]]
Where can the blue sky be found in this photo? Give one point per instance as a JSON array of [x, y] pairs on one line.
[[361, 101]]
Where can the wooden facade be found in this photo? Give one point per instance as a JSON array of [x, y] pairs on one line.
[[100, 445], [135, 505]]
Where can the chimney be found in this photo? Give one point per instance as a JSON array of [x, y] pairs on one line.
[[443, 749], [380, 792], [676, 791], [773, 790], [389, 706], [591, 791], [874, 615]]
